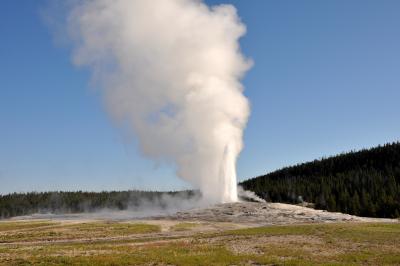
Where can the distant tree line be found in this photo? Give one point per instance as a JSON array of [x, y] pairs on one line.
[[365, 183], [17, 204]]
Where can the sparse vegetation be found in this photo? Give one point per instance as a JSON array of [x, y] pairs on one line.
[[18, 225], [183, 226], [314, 244], [83, 230]]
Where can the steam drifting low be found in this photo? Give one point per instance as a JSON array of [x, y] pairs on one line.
[[171, 71]]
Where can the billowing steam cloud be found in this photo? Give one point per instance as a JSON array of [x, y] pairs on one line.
[[171, 70]]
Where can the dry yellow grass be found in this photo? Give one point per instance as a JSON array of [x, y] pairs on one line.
[[121, 243]]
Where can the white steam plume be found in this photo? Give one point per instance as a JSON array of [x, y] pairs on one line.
[[171, 70]]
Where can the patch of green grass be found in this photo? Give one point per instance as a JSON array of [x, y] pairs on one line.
[[370, 257], [276, 230], [18, 225], [115, 228], [79, 231], [183, 226], [177, 253], [371, 233], [375, 232], [315, 244]]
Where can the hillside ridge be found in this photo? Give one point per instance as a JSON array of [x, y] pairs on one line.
[[365, 182]]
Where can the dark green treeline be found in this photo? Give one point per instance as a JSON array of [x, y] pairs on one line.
[[365, 183], [17, 204]]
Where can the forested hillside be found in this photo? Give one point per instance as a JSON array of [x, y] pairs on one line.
[[365, 183], [17, 204]]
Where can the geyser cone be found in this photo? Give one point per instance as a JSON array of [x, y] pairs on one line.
[[171, 71]]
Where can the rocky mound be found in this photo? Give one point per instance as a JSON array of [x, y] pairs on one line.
[[267, 214]]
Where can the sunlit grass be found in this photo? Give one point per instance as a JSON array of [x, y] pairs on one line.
[[75, 231], [18, 225], [315, 244], [183, 226]]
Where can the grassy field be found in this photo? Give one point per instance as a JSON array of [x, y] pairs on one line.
[[124, 243]]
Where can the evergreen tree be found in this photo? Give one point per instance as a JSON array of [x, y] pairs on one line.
[[365, 183]]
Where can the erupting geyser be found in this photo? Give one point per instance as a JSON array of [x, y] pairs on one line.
[[171, 71]]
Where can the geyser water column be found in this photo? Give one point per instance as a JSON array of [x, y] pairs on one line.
[[228, 175], [171, 71]]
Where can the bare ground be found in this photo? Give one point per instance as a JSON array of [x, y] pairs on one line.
[[241, 233], [267, 214]]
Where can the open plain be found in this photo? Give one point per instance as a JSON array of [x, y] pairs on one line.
[[227, 234]]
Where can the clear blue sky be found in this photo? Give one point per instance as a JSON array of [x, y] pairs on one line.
[[326, 79]]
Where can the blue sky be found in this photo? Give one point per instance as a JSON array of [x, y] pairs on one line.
[[326, 79]]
